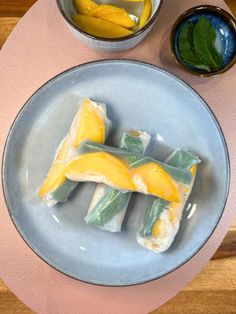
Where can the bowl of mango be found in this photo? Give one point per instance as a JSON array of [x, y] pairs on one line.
[[113, 25]]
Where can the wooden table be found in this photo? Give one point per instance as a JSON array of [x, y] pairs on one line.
[[212, 291]]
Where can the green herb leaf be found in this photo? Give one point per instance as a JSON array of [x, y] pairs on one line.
[[183, 159], [152, 214], [204, 36], [63, 191], [131, 143], [186, 51], [108, 207]]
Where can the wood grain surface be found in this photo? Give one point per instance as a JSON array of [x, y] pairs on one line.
[[213, 291]]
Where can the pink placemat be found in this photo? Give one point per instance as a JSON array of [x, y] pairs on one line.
[[40, 47]]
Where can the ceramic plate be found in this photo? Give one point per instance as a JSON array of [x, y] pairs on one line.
[[138, 96]]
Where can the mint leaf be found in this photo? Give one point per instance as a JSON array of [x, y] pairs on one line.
[[204, 36], [182, 159], [152, 214], [109, 206], [131, 143], [185, 45]]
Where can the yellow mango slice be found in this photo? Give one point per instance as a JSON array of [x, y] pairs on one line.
[[158, 181], [63, 150], [147, 10], [56, 174], [156, 228], [119, 19], [55, 178], [159, 224], [193, 170], [100, 165], [100, 28], [85, 6], [134, 133], [113, 14], [172, 216], [89, 126], [104, 9]]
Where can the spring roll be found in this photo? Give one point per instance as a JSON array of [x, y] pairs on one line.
[[162, 218], [127, 171], [91, 123], [108, 205]]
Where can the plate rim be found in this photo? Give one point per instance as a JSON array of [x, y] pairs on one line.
[[100, 62]]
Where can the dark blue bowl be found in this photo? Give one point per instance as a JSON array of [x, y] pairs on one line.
[[225, 27]]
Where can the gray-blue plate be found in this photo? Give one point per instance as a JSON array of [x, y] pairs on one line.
[[138, 96]]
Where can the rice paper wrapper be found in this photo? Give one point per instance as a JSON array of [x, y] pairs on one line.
[[162, 219], [51, 194], [108, 206]]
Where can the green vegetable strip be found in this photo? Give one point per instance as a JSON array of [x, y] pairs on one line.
[[62, 192], [114, 202], [152, 214], [135, 160], [180, 159]]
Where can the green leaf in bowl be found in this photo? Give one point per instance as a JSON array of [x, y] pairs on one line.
[[204, 36], [186, 50]]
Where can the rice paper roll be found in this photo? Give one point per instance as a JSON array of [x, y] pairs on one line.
[[91, 123], [162, 218], [108, 205], [127, 171]]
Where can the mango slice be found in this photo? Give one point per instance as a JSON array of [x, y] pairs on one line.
[[119, 19], [63, 151], [85, 6], [157, 181], [104, 9], [100, 167], [147, 10], [88, 124], [193, 170], [99, 27], [55, 178], [159, 226], [56, 174], [156, 228], [113, 14]]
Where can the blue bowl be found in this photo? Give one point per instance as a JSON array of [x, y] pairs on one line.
[[225, 27]]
